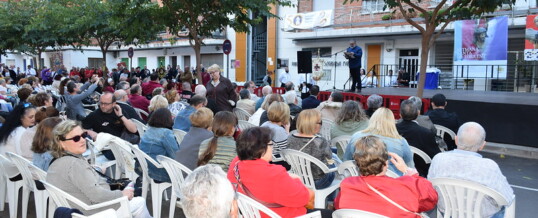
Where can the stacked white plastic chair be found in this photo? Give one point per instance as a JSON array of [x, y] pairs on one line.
[[157, 189], [301, 165], [177, 173]]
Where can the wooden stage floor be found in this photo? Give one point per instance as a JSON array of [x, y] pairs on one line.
[[461, 95]]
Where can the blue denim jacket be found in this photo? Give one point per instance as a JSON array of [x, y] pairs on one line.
[[182, 120], [159, 141], [42, 160]]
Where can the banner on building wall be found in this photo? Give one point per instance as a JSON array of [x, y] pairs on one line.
[[308, 20], [56, 60], [480, 47], [531, 38]]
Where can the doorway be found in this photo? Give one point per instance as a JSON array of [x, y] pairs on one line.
[[409, 60], [160, 62], [373, 59]]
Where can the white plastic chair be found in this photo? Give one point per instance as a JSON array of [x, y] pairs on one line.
[[315, 214], [251, 209], [391, 174], [441, 130], [157, 189], [141, 112], [340, 143], [348, 168], [241, 114], [12, 188], [427, 159], [140, 127], [325, 130], [301, 165], [125, 163], [40, 196], [177, 173], [179, 134], [63, 199], [244, 125], [87, 111], [464, 198], [110, 213], [352, 213], [3, 189]]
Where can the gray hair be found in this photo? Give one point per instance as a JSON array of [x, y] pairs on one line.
[[2, 81], [266, 90], [123, 85], [59, 133], [416, 101], [119, 94], [471, 136], [200, 90], [290, 97], [374, 101], [206, 192]]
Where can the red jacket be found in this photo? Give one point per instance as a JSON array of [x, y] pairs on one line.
[[414, 193], [147, 88], [272, 184], [138, 101]]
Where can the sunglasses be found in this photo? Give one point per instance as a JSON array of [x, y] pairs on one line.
[[76, 138]]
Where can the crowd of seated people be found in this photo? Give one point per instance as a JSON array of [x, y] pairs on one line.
[[226, 159]]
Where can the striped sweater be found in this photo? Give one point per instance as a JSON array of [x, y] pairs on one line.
[[226, 151]]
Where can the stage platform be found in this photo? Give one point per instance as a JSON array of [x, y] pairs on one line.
[[508, 117]]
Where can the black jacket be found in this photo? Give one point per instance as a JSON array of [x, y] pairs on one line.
[[421, 138], [448, 120]]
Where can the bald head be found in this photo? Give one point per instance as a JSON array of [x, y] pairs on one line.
[[266, 90], [471, 137]]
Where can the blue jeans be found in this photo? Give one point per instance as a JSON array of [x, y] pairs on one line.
[[499, 214], [325, 181]]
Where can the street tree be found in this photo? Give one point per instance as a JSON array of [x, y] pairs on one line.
[[201, 18], [436, 19]]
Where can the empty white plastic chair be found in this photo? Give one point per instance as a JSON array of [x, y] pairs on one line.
[[12, 187], [348, 168], [352, 213], [40, 196], [251, 209], [141, 112], [177, 173], [441, 131], [421, 154], [140, 127], [157, 189], [244, 125], [241, 114], [301, 165], [179, 134], [464, 198], [340, 144], [110, 213], [325, 130], [63, 199]]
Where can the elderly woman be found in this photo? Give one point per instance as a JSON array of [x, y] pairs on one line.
[[350, 119], [73, 100], [373, 102], [279, 124], [200, 130], [306, 140], [159, 140], [269, 184], [372, 190], [220, 149], [174, 104], [73, 174], [383, 125], [42, 141], [157, 102], [220, 90]]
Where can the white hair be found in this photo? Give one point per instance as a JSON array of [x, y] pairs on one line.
[[200, 90], [207, 192], [416, 101], [471, 136], [374, 101], [266, 90], [290, 97]]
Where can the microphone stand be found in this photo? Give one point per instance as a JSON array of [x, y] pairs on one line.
[[334, 79]]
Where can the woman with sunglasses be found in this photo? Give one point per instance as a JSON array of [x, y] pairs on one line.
[[21, 118], [70, 172]]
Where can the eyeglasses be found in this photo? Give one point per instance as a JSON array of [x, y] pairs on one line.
[[270, 143], [103, 103], [76, 138], [320, 122]]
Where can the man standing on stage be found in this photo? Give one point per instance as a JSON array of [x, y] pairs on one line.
[[354, 55], [285, 77]]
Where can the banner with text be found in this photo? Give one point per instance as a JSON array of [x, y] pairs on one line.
[[480, 47], [531, 38], [308, 20]]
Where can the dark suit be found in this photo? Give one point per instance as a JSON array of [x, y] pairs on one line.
[[421, 138], [310, 102], [448, 120]]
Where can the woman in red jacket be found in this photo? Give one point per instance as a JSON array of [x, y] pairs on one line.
[[372, 190]]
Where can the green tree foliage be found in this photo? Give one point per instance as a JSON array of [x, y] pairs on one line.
[[436, 19], [202, 17]]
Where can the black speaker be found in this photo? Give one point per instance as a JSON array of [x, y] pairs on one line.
[[304, 61]]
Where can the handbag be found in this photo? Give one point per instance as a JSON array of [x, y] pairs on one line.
[[394, 203], [115, 184]]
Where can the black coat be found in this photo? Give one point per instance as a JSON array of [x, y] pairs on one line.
[[421, 138]]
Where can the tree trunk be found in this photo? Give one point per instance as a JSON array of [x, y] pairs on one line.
[[197, 51], [426, 37], [39, 63], [104, 51]]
